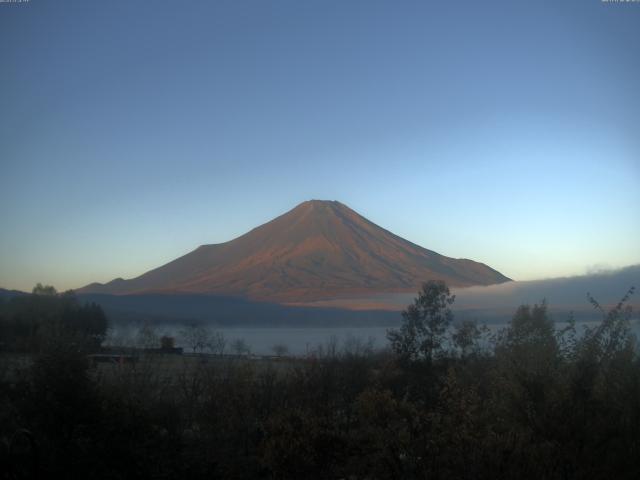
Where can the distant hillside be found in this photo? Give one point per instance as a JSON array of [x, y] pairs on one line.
[[319, 250], [4, 294]]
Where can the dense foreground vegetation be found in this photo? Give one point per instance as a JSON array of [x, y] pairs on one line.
[[446, 401]]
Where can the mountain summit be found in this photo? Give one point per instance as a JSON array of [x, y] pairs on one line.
[[318, 250]]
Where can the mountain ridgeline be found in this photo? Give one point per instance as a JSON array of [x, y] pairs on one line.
[[318, 250]]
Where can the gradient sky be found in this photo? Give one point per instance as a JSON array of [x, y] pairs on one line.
[[132, 132]]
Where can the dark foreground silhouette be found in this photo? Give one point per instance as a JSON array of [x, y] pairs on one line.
[[445, 401]]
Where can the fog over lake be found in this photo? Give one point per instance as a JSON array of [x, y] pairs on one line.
[[299, 341]]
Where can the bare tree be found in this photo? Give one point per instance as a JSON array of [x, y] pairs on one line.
[[217, 343], [280, 349], [147, 337], [240, 347], [196, 337]]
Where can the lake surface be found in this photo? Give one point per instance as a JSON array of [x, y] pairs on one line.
[[298, 341]]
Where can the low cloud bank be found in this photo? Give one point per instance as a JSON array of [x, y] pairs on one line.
[[567, 292], [498, 302]]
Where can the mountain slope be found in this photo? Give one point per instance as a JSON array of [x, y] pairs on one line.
[[7, 294], [320, 249]]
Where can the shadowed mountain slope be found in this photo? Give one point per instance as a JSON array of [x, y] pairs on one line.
[[318, 250], [6, 294]]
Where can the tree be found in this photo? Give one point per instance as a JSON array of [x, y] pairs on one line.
[[529, 371], [240, 346], [197, 337], [87, 321], [147, 337], [280, 349], [613, 335], [40, 289], [466, 337], [31, 321], [529, 339], [217, 343], [167, 342], [425, 323]]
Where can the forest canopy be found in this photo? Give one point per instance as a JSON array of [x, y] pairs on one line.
[[29, 322]]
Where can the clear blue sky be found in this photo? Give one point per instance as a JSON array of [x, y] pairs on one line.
[[131, 132]]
